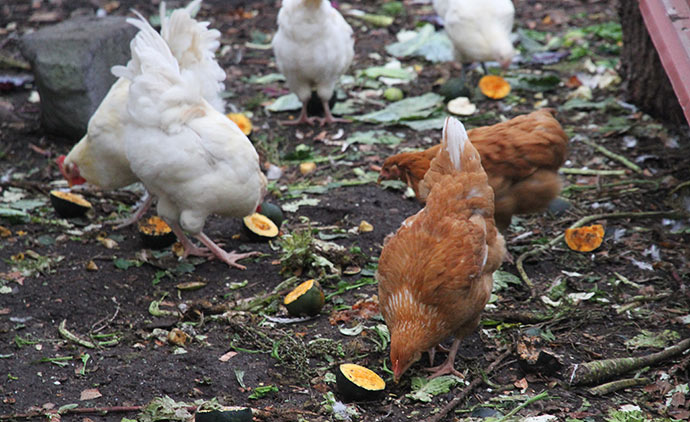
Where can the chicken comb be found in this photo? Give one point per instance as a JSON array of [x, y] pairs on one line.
[[454, 137]]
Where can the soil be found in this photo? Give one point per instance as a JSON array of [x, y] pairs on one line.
[[46, 280]]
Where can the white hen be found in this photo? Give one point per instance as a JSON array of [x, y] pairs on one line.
[[313, 47], [193, 158], [479, 29], [99, 157]]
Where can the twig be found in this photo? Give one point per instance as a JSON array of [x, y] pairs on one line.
[[627, 163], [610, 387], [527, 402], [467, 390], [639, 300], [519, 263], [626, 280], [523, 317], [601, 370], [592, 172]]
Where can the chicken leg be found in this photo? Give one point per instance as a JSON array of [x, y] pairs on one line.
[[302, 118], [447, 367], [142, 206], [329, 117], [229, 258]]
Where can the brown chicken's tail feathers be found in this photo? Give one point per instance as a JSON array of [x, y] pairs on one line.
[[463, 156]]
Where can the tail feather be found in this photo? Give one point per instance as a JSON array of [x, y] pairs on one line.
[[457, 154], [194, 46], [158, 87]]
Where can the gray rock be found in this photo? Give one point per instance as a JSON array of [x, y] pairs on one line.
[[71, 62]]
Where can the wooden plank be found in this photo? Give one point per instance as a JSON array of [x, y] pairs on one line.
[[668, 24]]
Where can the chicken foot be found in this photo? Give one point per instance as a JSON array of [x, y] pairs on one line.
[[302, 118], [447, 367], [229, 258], [189, 247], [142, 206], [329, 117]]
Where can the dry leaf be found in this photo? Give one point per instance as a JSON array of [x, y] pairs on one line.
[[91, 266], [90, 394]]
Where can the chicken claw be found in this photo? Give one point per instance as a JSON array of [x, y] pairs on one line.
[[447, 367], [302, 118], [229, 258]]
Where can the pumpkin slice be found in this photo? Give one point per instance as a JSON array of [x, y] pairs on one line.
[[227, 414], [305, 299], [494, 87], [155, 233], [69, 205], [357, 383], [585, 239], [260, 227], [241, 121]]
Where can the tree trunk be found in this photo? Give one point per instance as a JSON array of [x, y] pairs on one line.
[[648, 87]]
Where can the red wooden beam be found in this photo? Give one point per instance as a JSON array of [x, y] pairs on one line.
[[668, 24]]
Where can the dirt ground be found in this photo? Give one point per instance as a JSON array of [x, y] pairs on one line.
[[628, 298]]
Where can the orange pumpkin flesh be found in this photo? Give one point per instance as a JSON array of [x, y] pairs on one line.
[[585, 239], [494, 87]]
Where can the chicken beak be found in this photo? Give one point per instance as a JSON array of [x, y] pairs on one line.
[[397, 373]]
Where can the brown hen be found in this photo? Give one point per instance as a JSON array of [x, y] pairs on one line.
[[435, 272], [521, 156]]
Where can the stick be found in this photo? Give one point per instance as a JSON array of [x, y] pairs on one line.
[[601, 370], [610, 387], [10, 62], [581, 222], [592, 172], [639, 300], [467, 390], [627, 163]]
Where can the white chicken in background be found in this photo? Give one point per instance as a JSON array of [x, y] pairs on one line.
[[99, 157], [479, 29], [313, 47], [189, 155]]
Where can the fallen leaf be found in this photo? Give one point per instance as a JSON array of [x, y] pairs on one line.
[[521, 384], [91, 266], [90, 394]]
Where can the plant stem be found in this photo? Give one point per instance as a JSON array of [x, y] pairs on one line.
[[592, 172], [527, 402]]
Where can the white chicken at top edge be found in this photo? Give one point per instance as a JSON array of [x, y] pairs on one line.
[[188, 154], [479, 29], [313, 47]]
